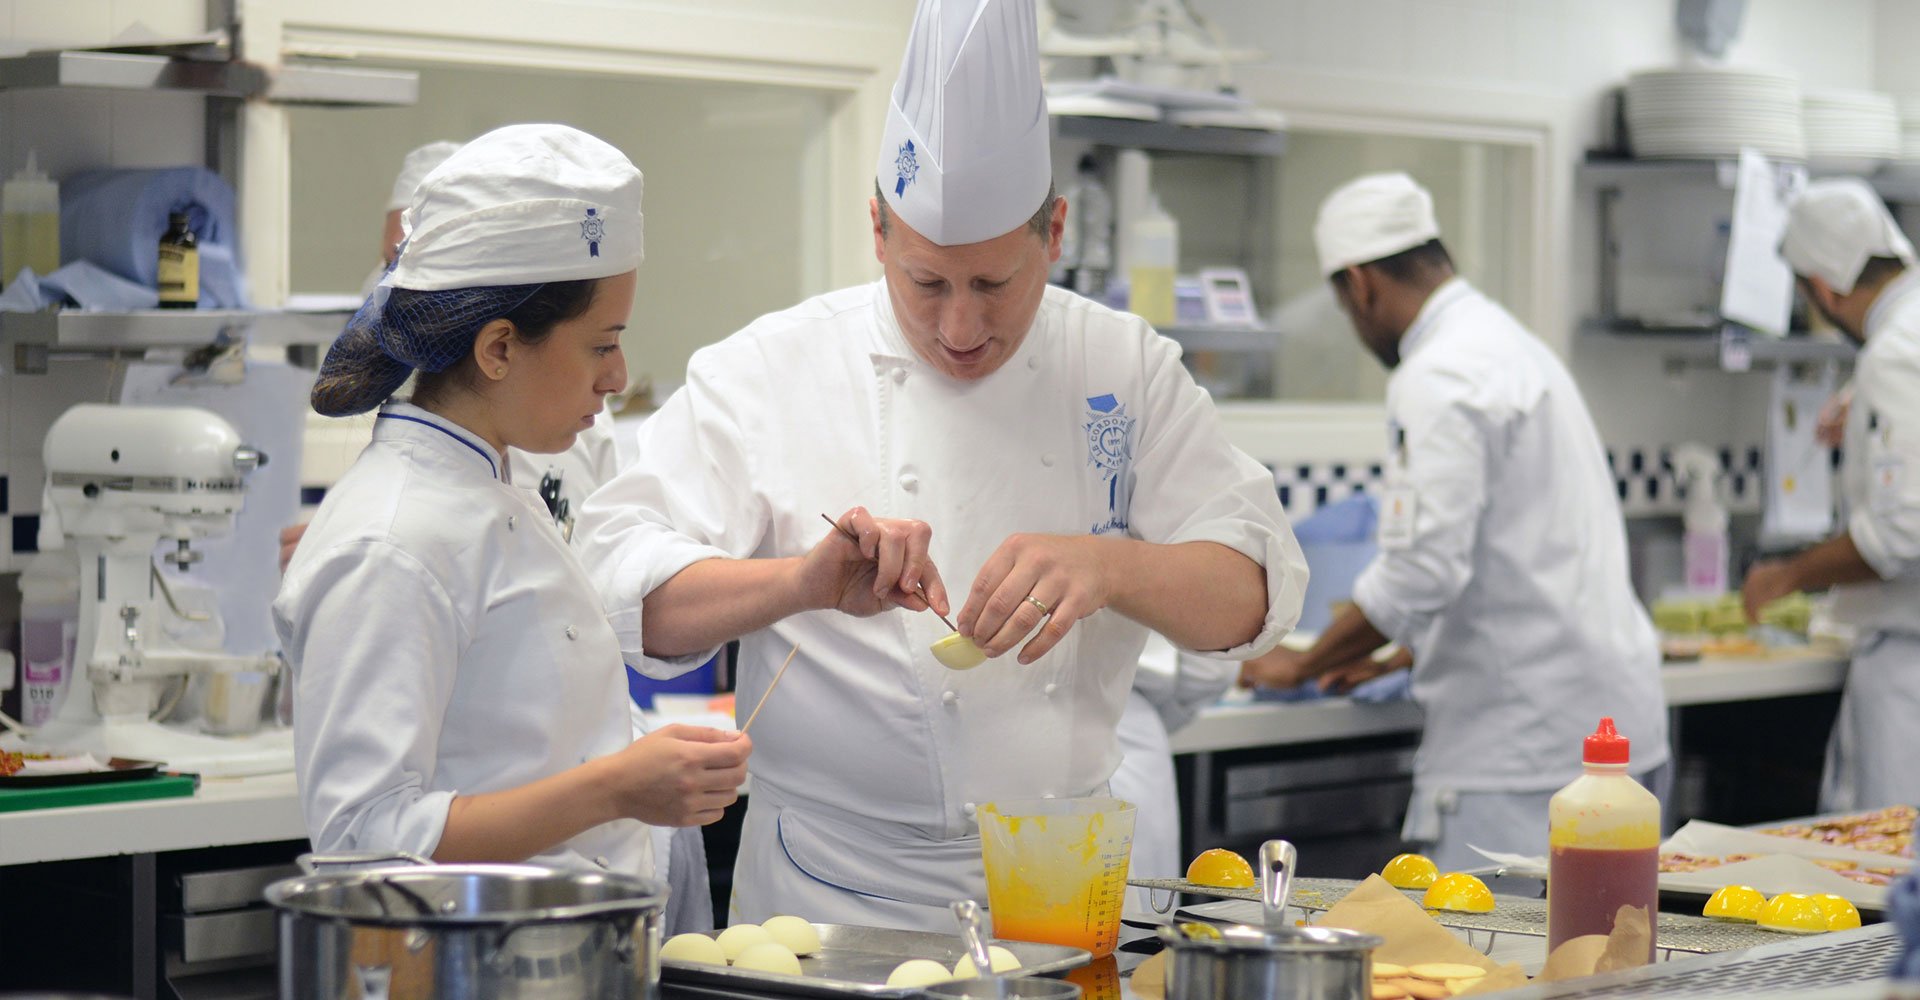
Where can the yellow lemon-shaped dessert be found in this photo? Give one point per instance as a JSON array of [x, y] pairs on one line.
[[918, 972], [1221, 867], [1795, 913], [957, 652], [1842, 915], [1459, 892], [1410, 871], [1003, 961], [1736, 903]]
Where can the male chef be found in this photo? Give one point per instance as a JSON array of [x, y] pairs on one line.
[[1857, 268], [966, 423], [1503, 557]]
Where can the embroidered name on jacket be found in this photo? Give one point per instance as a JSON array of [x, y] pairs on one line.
[[1110, 453]]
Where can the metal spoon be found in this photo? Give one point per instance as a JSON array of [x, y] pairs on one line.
[[923, 587], [967, 912], [1277, 860]]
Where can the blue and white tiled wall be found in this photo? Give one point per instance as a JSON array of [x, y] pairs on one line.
[[1642, 478]]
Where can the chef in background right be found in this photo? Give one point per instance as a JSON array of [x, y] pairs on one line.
[[1853, 264], [1503, 556]]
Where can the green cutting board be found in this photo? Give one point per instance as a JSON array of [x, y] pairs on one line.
[[162, 786]]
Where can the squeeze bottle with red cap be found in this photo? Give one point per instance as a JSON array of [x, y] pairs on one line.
[[1604, 832]]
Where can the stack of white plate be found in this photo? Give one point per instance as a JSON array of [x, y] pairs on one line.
[[1910, 130], [1714, 112], [1850, 131]]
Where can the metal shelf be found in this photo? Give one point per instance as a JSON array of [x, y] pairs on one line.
[[109, 332], [1897, 185], [293, 83], [1694, 344], [1163, 137], [1226, 339]]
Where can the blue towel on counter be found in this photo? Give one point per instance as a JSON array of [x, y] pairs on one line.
[[115, 218], [1396, 686], [1338, 542], [1903, 907]]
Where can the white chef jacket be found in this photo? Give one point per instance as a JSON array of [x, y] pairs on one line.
[[877, 755], [444, 641], [1512, 587], [1870, 756]]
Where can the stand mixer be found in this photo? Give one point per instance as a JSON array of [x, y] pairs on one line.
[[122, 480]]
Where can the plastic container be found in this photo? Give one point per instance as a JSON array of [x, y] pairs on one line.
[[29, 222], [49, 624], [1604, 834], [1057, 869], [178, 275], [1152, 255]]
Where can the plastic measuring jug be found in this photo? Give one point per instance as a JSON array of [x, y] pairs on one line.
[[1057, 869]]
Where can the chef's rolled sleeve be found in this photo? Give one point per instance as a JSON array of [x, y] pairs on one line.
[[1404, 589], [1885, 524], [689, 498], [1192, 485], [374, 680]]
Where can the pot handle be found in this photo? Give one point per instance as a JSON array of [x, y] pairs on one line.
[[1277, 861], [312, 862]]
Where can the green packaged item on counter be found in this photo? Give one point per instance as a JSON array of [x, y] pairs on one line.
[[162, 786]]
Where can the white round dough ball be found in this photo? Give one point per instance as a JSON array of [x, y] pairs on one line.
[[918, 972], [768, 956], [693, 948], [740, 937], [1003, 961], [798, 935]]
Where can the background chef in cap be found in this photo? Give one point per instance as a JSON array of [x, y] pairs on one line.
[[459, 693], [1503, 557], [973, 427], [1855, 266]]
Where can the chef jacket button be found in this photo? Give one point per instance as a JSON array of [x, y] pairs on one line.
[[909, 482], [509, 522], [1047, 460], [899, 375], [1033, 363], [949, 696], [603, 862], [572, 633], [1051, 688], [969, 809]]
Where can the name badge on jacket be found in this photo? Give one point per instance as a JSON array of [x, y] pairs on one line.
[[1397, 507]]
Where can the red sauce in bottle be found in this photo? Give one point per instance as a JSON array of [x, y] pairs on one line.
[[1589, 887]]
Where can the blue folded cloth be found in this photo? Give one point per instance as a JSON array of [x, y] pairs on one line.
[[90, 286], [115, 218], [1903, 907], [1396, 686]]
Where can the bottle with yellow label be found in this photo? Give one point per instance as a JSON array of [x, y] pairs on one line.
[[1153, 252], [1604, 832], [179, 272]]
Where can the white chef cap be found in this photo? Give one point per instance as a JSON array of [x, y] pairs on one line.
[[964, 156], [1370, 218], [1834, 226], [415, 169], [522, 205]]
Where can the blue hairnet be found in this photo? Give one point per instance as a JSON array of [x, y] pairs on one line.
[[398, 331]]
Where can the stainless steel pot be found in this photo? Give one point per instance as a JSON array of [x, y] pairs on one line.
[[468, 932], [1273, 960]]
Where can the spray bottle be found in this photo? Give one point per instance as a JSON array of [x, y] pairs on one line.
[[1696, 469]]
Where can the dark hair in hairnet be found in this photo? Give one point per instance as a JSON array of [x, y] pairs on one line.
[[398, 331]]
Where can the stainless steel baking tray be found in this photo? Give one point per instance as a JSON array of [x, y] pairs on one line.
[[1511, 915], [855, 961]]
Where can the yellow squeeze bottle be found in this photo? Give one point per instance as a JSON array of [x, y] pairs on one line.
[[1152, 255], [1604, 832], [29, 222]]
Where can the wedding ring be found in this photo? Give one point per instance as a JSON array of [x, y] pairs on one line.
[[1038, 603]]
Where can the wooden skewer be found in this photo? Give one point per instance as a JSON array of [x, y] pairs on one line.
[[923, 587], [763, 695]]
